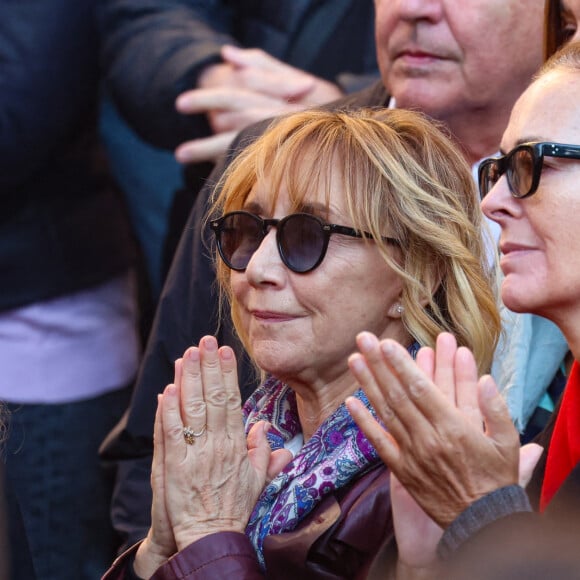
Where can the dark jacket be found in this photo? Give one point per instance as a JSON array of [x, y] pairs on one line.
[[62, 228], [524, 544], [153, 50], [339, 539], [188, 310]]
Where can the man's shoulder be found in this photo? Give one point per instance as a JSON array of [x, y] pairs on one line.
[[373, 96]]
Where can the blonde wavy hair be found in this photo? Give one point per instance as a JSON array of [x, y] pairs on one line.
[[402, 177]]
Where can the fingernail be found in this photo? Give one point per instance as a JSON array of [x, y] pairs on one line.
[[210, 343], [356, 363], [226, 353], [365, 341], [193, 354]]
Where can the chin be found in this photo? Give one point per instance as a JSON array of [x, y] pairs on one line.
[[517, 301]]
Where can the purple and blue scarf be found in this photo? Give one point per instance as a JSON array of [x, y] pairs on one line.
[[334, 456]]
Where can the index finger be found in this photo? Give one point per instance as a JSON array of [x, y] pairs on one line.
[[421, 392], [466, 386]]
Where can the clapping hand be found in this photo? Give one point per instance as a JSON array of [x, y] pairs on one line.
[[450, 439]]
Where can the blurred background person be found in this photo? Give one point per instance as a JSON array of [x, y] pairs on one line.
[[68, 338], [226, 64]]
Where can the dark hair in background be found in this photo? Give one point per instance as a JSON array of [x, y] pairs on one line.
[[556, 31], [553, 32]]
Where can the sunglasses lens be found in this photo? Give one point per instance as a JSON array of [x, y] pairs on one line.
[[488, 176], [302, 242], [520, 172], [240, 236]]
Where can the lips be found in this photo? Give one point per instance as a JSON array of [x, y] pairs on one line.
[[419, 54], [271, 316], [510, 248]]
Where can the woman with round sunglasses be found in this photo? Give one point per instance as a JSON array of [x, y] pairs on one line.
[[472, 491], [329, 224]]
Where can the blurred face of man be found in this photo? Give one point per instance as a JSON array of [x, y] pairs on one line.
[[454, 58]]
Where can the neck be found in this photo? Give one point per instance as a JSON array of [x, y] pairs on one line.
[[478, 133], [318, 402], [567, 319]]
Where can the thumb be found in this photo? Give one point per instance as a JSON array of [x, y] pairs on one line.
[[278, 461], [529, 456], [498, 423], [259, 451]]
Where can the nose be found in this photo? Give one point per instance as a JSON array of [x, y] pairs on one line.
[[265, 265], [431, 10], [499, 203]]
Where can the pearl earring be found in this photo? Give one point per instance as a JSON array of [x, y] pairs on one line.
[[400, 309]]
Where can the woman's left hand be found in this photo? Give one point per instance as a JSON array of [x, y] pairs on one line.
[[211, 483]]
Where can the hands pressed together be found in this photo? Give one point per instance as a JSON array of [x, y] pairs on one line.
[[250, 85], [208, 478]]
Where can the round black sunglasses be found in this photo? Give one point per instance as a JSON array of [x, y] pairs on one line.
[[302, 238], [522, 166]]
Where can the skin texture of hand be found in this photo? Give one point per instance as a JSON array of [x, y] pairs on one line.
[[212, 485], [435, 446], [417, 534], [250, 85]]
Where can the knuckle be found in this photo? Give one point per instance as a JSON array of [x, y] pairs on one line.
[[233, 401], [397, 396], [217, 397], [419, 387], [175, 432], [386, 412], [195, 407]]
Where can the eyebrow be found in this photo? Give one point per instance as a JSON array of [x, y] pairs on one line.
[[521, 141], [314, 208], [253, 207]]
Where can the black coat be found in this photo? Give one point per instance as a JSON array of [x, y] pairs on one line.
[[153, 50], [62, 227]]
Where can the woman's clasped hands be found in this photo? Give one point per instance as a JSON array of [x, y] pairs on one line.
[[206, 476]]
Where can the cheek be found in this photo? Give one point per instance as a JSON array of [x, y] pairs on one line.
[[384, 23]]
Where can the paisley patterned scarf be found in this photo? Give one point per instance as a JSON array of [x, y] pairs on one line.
[[335, 455]]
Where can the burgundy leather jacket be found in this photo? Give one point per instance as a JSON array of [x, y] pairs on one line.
[[340, 538]]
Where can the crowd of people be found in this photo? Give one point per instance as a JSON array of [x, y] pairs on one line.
[[369, 316]]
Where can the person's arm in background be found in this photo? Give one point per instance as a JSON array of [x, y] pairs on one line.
[[29, 134], [157, 54], [152, 51]]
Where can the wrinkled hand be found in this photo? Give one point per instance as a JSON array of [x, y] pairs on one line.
[[250, 85], [417, 534], [211, 485], [435, 445]]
